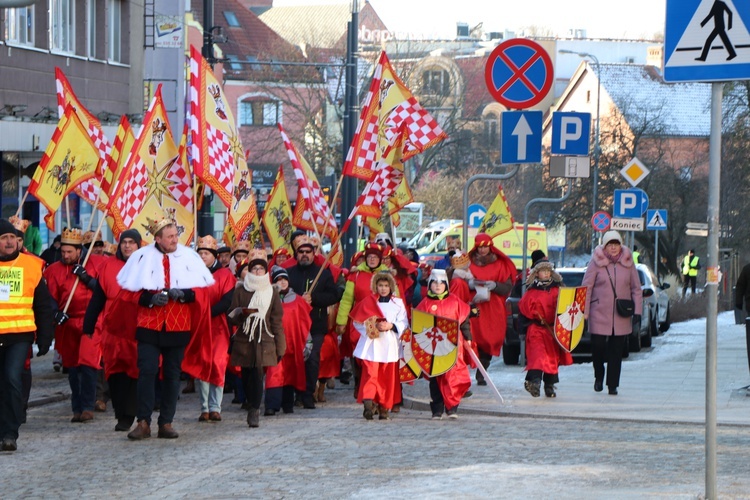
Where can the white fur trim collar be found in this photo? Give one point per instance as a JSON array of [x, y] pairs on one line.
[[144, 270]]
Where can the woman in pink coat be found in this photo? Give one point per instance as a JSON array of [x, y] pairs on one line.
[[610, 270]]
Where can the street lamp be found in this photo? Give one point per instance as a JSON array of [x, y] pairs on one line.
[[597, 151]]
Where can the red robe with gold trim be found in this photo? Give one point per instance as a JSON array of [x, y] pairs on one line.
[[455, 382], [75, 348]]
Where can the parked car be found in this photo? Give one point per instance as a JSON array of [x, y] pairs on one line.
[[573, 277], [658, 299]]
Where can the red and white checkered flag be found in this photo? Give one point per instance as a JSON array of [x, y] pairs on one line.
[[390, 110], [317, 212]]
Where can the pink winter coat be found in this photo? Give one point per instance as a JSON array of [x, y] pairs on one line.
[[600, 299]]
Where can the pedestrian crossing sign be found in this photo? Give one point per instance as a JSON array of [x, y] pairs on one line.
[[707, 41], [656, 219]]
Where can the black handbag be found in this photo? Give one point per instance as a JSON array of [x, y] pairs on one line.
[[624, 307]]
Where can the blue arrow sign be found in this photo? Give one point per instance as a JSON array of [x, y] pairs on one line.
[[656, 219], [570, 133], [476, 214], [707, 41], [630, 203], [521, 138]]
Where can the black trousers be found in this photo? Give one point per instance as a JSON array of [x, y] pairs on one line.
[[747, 339], [148, 371], [547, 378], [485, 359], [280, 397], [252, 381], [688, 281], [123, 392], [312, 365], [609, 348]]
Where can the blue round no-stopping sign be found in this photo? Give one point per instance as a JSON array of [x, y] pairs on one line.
[[519, 73]]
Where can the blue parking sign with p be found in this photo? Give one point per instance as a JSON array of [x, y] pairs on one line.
[[571, 133]]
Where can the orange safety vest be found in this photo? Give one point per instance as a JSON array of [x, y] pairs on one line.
[[22, 276]]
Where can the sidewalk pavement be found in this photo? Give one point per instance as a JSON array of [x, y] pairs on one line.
[[664, 383], [655, 386]]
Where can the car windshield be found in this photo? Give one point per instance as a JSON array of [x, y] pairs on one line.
[[572, 279]]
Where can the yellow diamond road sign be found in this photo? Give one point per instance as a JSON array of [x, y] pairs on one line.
[[634, 172]]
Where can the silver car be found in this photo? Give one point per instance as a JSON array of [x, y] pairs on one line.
[[656, 297]]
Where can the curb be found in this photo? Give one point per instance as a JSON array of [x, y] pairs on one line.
[[423, 405]]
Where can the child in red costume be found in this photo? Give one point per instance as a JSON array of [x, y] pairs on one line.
[[446, 390], [543, 354]]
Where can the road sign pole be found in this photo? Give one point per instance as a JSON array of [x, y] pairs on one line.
[[656, 253], [712, 284]]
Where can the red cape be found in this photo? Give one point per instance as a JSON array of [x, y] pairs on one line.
[[488, 330], [291, 370], [206, 356]]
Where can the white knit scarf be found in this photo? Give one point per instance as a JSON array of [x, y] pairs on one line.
[[261, 300]]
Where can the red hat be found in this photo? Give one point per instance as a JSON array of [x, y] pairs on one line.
[[483, 240], [356, 257], [374, 249]]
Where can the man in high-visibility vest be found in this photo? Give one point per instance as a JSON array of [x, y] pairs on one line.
[[690, 266], [25, 313]]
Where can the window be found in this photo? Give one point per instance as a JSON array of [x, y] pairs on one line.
[[62, 25], [264, 113], [231, 18], [91, 28], [114, 37], [436, 82], [19, 25], [234, 62]]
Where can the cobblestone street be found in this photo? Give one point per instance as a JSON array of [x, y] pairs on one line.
[[332, 452]]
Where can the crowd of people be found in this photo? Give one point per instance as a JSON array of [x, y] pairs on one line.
[[132, 321]]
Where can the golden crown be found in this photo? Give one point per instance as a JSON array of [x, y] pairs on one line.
[[88, 237], [460, 260], [241, 246], [156, 225], [110, 248], [207, 242], [71, 237], [257, 254], [18, 223]]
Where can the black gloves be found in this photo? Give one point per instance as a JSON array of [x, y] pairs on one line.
[[43, 349], [60, 317], [159, 299], [474, 312], [79, 271], [176, 294]]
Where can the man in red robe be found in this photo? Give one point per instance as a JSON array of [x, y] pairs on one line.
[[492, 273], [81, 355], [207, 355], [117, 325], [167, 281]]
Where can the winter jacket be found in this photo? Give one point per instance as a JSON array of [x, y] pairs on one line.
[[600, 298], [246, 353]]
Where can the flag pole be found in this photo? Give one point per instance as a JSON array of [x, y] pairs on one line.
[[85, 260], [335, 197], [67, 210], [333, 245], [393, 229], [96, 203], [195, 213], [23, 200]]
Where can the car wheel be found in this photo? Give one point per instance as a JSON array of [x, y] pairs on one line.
[[511, 354], [634, 341], [667, 323], [650, 332]]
